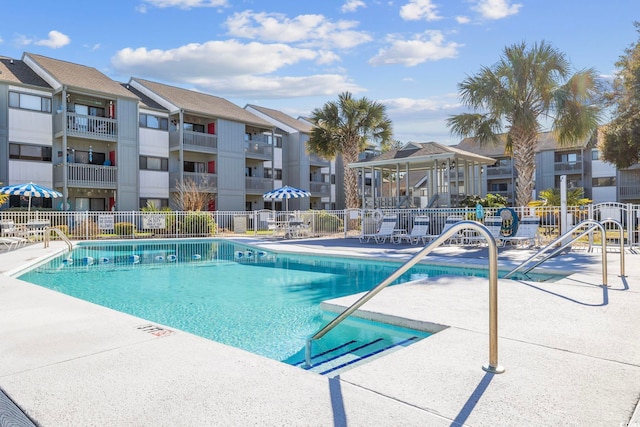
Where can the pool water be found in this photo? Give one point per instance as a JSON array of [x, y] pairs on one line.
[[259, 301]]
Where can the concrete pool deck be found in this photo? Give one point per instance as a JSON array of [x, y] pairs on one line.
[[571, 350]]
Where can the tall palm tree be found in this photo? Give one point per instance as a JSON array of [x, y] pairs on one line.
[[346, 127], [526, 87]]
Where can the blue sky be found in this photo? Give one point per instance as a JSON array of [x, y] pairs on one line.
[[295, 56]]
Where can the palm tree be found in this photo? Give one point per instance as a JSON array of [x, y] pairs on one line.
[[524, 88], [346, 127]]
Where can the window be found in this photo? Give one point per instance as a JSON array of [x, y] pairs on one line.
[[267, 173], [277, 173], [154, 163], [30, 152], [194, 127], [156, 203], [29, 102], [279, 141], [502, 186], [605, 181], [153, 122], [198, 167], [566, 157], [595, 154]]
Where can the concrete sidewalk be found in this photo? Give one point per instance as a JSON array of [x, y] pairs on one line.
[[571, 350]]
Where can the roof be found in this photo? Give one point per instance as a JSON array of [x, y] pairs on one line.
[[283, 118], [422, 154], [79, 76], [202, 103], [145, 101], [16, 71], [546, 142]]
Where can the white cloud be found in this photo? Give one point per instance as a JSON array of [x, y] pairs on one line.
[[306, 30], [56, 40], [181, 4], [231, 68], [1, 41], [497, 9], [462, 19], [428, 46], [352, 5], [278, 87], [417, 10], [218, 58]]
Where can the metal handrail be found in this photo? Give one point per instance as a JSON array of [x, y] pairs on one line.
[[493, 365], [621, 228], [550, 246], [60, 233]]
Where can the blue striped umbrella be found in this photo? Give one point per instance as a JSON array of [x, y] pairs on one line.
[[286, 193], [30, 190]]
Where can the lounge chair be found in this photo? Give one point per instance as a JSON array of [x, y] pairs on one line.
[[526, 234], [11, 243], [419, 232], [457, 238], [494, 225], [387, 230]]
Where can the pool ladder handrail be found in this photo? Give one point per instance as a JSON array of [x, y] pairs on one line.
[[492, 366], [60, 233], [524, 268]]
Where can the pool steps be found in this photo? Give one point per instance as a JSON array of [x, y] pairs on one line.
[[348, 355]]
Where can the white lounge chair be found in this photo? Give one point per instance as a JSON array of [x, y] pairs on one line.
[[419, 232], [526, 234], [387, 230], [457, 238], [494, 225]]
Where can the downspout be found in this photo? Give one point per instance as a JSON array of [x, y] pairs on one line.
[[181, 155], [65, 165]]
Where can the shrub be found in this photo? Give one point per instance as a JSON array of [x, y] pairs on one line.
[[200, 223], [86, 228], [123, 228], [324, 221]]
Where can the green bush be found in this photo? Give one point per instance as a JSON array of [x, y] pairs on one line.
[[123, 228], [200, 223], [86, 228], [324, 221]]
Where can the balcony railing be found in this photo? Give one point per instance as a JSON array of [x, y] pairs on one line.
[[194, 141], [258, 149], [319, 188], [84, 126], [568, 167], [629, 192], [255, 185], [202, 182], [86, 176], [500, 171]]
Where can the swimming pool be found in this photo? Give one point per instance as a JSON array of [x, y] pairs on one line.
[[260, 301]]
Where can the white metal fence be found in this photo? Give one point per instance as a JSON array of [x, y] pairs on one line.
[[332, 223]]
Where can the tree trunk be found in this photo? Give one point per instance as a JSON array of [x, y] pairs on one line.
[[350, 178], [524, 146]]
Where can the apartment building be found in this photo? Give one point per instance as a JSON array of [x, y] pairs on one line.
[[108, 145], [578, 161], [294, 165]]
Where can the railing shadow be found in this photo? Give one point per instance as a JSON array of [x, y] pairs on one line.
[[472, 401], [605, 294], [337, 402]]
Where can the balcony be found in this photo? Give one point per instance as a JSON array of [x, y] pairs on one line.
[[86, 176], [500, 172], [258, 150], [563, 167], [629, 192], [320, 189], [83, 126], [255, 185], [194, 141], [315, 160], [202, 182]]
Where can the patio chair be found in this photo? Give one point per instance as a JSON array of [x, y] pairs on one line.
[[419, 232], [387, 231], [8, 228], [457, 238], [494, 225], [526, 234], [10, 243]]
